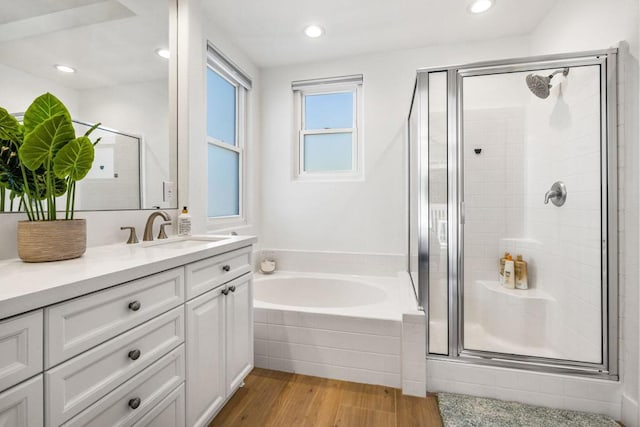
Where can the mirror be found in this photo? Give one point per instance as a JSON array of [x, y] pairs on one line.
[[119, 79]]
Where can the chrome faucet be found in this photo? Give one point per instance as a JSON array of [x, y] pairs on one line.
[[148, 228]]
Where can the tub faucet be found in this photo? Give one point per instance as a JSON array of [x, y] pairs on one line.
[[148, 228]]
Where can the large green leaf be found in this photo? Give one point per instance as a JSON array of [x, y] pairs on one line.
[[74, 159], [9, 126], [41, 109], [41, 145]]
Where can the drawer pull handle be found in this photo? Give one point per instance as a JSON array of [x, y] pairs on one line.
[[134, 403], [232, 288], [226, 267], [225, 291], [134, 354], [135, 306]]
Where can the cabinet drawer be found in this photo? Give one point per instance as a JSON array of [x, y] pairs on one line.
[[147, 389], [74, 385], [77, 325], [205, 275], [20, 348], [21, 406], [169, 412]]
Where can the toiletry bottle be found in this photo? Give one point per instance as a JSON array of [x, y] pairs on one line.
[[509, 273], [522, 281], [184, 223], [502, 260]]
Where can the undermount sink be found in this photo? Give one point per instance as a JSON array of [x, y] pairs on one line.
[[184, 242]]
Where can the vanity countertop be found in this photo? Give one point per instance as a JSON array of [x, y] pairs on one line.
[[27, 286]]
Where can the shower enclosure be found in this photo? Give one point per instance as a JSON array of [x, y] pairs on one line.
[[517, 157]]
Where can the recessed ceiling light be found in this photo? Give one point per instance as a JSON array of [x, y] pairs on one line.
[[65, 68], [479, 6], [313, 31], [164, 53]]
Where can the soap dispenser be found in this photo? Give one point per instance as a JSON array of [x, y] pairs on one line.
[[509, 273], [184, 223]]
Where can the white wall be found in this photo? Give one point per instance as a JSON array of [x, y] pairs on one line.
[[358, 217]]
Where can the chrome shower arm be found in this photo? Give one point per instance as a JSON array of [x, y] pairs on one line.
[[564, 72]]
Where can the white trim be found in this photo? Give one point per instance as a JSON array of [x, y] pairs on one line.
[[316, 87], [227, 66], [214, 223], [349, 81]]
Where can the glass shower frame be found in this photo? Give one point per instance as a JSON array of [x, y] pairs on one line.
[[607, 61]]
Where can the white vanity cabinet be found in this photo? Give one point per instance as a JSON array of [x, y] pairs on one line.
[[166, 347], [219, 344]]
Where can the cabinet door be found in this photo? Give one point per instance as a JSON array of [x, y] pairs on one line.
[[205, 357], [21, 406], [20, 348], [239, 321]]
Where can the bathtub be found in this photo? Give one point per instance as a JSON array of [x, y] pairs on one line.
[[339, 326]]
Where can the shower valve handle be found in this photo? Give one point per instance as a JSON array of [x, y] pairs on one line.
[[557, 194]]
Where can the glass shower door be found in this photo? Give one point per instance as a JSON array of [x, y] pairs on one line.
[[533, 203]]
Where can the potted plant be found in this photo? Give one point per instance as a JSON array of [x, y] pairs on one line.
[[41, 159]]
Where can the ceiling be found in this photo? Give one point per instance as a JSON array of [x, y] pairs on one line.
[[108, 42], [271, 32]]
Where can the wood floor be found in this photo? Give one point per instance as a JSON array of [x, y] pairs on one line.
[[272, 398]]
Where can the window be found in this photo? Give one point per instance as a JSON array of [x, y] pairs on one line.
[[328, 144], [227, 89]]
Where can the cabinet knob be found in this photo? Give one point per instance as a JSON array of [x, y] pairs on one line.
[[134, 354], [226, 267], [225, 291], [134, 403], [135, 306], [232, 288]]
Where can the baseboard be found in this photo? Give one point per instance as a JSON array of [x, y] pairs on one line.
[[629, 415]]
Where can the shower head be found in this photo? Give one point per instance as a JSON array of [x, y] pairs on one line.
[[540, 85]]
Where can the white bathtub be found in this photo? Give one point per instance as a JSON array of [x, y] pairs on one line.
[[362, 296], [338, 326]]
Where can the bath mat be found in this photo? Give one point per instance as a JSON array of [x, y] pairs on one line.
[[458, 410]]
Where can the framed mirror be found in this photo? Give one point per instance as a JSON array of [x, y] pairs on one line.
[[109, 62]]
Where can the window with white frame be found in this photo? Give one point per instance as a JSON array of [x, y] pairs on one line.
[[328, 145], [227, 88]]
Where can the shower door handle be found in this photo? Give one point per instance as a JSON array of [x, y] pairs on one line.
[[557, 194]]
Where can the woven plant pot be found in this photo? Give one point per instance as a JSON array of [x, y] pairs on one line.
[[43, 241]]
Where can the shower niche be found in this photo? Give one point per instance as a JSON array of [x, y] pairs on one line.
[[517, 157]]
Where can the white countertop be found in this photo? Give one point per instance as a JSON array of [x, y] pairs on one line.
[[28, 286]]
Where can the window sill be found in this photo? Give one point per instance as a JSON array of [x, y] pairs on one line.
[[330, 177]]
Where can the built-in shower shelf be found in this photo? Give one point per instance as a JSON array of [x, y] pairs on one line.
[[495, 286]]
